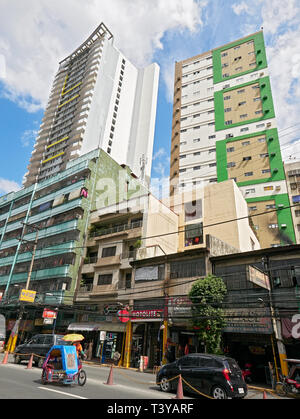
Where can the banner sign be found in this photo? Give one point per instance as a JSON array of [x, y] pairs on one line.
[[28, 296], [49, 314], [248, 321]]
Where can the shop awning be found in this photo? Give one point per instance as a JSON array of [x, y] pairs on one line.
[[94, 327]]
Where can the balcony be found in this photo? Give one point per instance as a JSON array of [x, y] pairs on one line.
[[108, 261], [116, 229]]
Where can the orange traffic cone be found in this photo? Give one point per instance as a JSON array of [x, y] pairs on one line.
[[29, 366], [110, 378], [179, 394], [265, 395], [5, 358]]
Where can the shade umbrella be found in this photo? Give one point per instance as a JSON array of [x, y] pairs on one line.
[[73, 337]]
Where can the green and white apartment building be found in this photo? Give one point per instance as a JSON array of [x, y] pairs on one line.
[[59, 209], [224, 127]]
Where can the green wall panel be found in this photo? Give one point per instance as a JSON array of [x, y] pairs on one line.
[[260, 52]]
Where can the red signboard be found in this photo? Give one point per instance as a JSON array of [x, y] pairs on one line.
[[123, 316], [147, 315], [49, 314]]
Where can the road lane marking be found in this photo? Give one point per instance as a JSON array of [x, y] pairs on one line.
[[62, 392]]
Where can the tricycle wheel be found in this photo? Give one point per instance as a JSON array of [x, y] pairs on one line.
[[44, 377], [81, 378]]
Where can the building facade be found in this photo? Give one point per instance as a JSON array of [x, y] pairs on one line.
[[98, 100], [292, 171], [224, 127]]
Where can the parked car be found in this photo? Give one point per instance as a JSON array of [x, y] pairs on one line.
[[39, 345], [219, 377]]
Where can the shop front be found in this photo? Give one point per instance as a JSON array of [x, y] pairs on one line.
[[102, 339], [248, 338]]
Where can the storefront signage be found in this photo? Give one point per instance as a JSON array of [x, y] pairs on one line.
[[179, 307], [123, 316], [27, 296], [248, 321], [48, 321], [111, 309], [49, 314], [146, 315], [258, 278]]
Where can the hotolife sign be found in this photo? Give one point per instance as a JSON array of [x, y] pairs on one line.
[[146, 315]]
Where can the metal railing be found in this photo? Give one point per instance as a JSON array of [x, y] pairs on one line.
[[117, 229]]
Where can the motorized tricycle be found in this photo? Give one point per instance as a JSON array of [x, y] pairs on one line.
[[291, 383], [63, 366]]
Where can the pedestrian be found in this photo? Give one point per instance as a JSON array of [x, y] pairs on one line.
[[79, 350], [116, 358]]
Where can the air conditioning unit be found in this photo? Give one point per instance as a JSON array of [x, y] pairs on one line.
[[280, 206], [283, 225]]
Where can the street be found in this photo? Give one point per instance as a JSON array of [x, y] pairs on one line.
[[18, 382]]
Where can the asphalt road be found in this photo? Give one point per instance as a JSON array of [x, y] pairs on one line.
[[18, 382]]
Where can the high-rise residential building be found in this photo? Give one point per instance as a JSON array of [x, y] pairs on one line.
[[224, 127], [99, 99], [292, 171]]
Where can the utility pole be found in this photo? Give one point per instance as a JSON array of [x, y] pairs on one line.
[[275, 322]]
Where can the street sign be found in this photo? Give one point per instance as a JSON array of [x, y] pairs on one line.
[[123, 316], [49, 314], [27, 295]]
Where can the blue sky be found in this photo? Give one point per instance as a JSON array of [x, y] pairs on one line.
[[164, 31]]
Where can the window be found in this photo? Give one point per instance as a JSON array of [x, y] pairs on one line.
[[258, 112], [197, 153], [271, 206], [266, 171], [105, 279], [247, 158], [244, 116], [212, 150], [187, 268], [183, 156], [230, 149], [227, 110], [273, 225], [224, 54], [244, 129], [248, 191], [109, 251], [225, 75], [242, 103], [182, 170], [231, 164], [227, 97], [196, 140], [241, 91], [246, 143], [261, 140], [212, 164], [228, 122], [211, 137], [247, 174], [197, 168], [254, 208]]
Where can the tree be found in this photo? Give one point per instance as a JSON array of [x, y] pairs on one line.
[[206, 296]]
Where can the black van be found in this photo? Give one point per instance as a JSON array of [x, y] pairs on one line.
[[39, 345], [216, 376]]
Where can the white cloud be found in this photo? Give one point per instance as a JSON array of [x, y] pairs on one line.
[[36, 35], [28, 137], [7, 186], [239, 8]]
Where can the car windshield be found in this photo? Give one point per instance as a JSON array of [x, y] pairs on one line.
[[60, 341]]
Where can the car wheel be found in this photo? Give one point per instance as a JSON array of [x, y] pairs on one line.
[[17, 359], [165, 385], [219, 393]]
